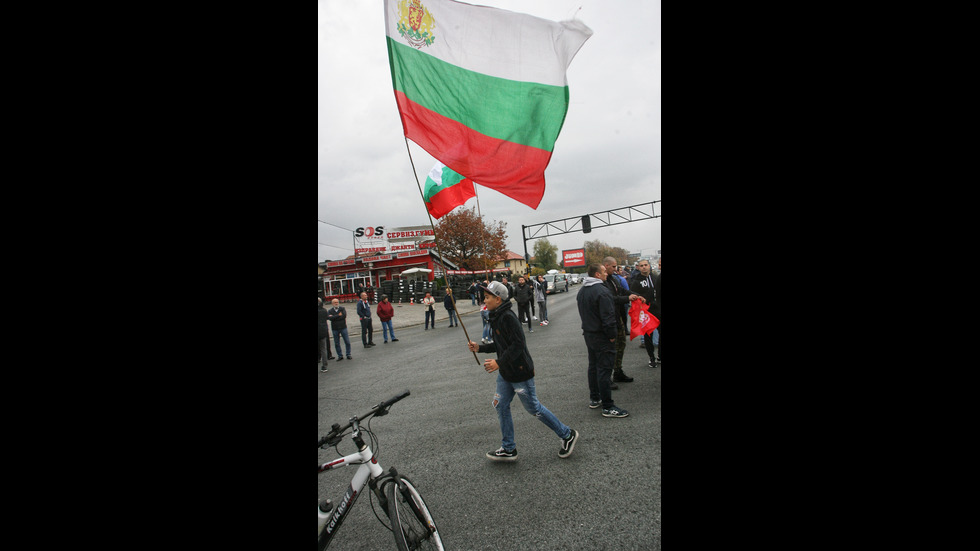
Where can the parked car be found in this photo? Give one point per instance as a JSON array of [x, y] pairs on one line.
[[575, 279], [557, 283]]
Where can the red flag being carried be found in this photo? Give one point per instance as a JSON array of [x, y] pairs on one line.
[[642, 322]]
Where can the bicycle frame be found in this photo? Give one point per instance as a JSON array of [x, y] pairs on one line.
[[369, 469]]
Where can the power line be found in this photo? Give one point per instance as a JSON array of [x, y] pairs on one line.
[[335, 246], [334, 225]]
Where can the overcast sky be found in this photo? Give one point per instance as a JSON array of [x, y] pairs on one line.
[[607, 156]]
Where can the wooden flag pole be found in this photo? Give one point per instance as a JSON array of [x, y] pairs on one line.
[[439, 249]]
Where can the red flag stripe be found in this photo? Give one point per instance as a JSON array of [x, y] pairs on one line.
[[513, 169]]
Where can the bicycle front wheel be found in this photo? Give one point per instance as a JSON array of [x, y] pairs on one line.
[[411, 520]]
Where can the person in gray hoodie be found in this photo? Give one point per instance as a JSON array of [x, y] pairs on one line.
[[541, 296], [599, 325]]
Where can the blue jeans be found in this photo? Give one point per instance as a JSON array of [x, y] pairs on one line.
[[525, 391], [486, 323], [336, 339], [387, 328], [452, 318]]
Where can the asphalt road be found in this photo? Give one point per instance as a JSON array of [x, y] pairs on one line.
[[605, 496]]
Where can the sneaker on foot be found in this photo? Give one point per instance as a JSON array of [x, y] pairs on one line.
[[594, 404], [323, 370], [503, 455], [568, 444], [615, 411]]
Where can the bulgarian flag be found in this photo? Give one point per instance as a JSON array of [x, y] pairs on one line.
[[482, 90], [446, 190]]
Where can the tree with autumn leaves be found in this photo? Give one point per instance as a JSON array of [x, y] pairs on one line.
[[469, 242]]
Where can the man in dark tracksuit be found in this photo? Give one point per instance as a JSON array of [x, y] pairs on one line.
[[599, 325]]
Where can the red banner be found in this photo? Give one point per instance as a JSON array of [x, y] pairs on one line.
[[573, 258]]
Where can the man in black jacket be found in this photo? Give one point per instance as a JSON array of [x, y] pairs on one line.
[[643, 285], [599, 325], [523, 293], [515, 375]]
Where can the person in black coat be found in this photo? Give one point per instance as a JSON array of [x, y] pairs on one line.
[[601, 329], [523, 294], [644, 284], [450, 305]]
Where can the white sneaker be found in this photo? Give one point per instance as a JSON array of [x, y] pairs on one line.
[[534, 317]]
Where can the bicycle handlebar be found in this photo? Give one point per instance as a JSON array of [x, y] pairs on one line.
[[379, 410]]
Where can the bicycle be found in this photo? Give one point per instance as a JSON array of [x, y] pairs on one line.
[[411, 521]]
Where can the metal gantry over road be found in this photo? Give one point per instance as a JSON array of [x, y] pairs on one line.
[[585, 223]]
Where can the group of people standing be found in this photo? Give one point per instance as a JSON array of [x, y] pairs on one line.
[[336, 315], [602, 307]]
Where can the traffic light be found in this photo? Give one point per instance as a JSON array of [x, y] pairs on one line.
[[586, 224]]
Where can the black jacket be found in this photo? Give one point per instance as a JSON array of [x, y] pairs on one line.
[[596, 308], [620, 297], [509, 344], [449, 301], [338, 318], [641, 286], [523, 293], [321, 325]]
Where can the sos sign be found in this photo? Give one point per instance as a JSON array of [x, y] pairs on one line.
[[369, 231]]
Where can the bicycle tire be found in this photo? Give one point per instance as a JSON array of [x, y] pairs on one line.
[[411, 528]]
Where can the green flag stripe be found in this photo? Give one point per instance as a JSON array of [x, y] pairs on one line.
[[525, 113]]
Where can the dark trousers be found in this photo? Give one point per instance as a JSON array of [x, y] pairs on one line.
[[524, 312], [620, 348], [323, 350], [367, 331], [648, 342], [430, 315], [602, 358]]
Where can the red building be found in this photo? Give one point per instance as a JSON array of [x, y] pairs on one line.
[[342, 278]]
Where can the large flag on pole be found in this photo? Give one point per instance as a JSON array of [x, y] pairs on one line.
[[445, 190], [482, 90]]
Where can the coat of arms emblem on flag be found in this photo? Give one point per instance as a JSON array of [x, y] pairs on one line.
[[416, 23]]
